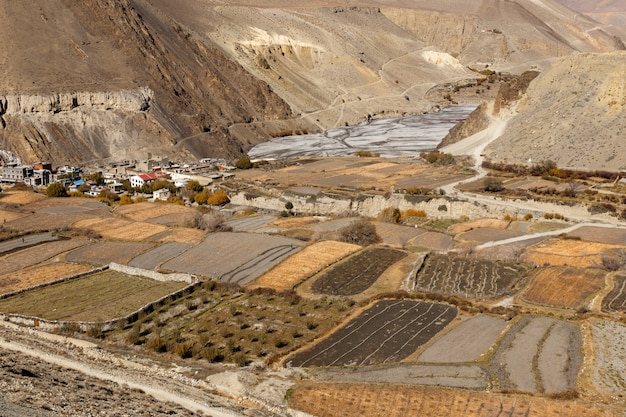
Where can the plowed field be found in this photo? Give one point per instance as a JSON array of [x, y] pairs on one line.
[[467, 277], [375, 400], [357, 273], [564, 286], [37, 254], [241, 256], [616, 236], [568, 252], [304, 264], [616, 299], [389, 331]]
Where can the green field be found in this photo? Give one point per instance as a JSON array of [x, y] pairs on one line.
[[96, 298]]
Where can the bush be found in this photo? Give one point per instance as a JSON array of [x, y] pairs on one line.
[[56, 189], [493, 185], [390, 215], [218, 198], [194, 186], [360, 232], [244, 162], [414, 213]]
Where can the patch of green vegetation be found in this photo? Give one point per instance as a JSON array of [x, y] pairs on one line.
[[442, 224]]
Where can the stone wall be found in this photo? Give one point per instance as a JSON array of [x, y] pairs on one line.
[[372, 205], [55, 325]]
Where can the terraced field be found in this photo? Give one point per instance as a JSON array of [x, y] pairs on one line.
[[327, 399], [237, 257], [539, 354], [569, 252], [467, 277], [27, 278], [358, 273], [103, 253], [389, 331], [564, 286]]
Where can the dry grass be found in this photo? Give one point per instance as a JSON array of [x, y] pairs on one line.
[[433, 240], [20, 197], [145, 211], [27, 278], [568, 252], [120, 229], [564, 286], [369, 400], [304, 264], [100, 297]]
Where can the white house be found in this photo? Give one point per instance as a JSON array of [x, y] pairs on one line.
[[137, 181]]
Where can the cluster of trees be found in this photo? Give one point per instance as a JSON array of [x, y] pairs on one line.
[[437, 158], [548, 169]]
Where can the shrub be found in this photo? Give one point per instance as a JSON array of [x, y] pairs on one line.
[[202, 197], [126, 199], [218, 198], [528, 216], [390, 215], [360, 232], [493, 185], [414, 213], [56, 189], [194, 186], [244, 162]]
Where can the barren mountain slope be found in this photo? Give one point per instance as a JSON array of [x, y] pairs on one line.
[[124, 79], [610, 12], [574, 113]]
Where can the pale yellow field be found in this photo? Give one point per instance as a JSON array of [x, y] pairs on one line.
[[303, 264], [145, 211], [27, 278], [292, 222], [181, 234], [568, 252], [121, 229]]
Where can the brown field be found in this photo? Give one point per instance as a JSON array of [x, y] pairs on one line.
[[103, 253], [100, 297], [27, 278], [375, 400], [20, 197], [305, 263], [9, 216], [479, 224], [357, 273], [601, 234], [564, 286], [568, 252], [36, 254], [144, 211], [432, 240], [355, 172], [121, 229], [467, 277], [387, 332], [45, 221]]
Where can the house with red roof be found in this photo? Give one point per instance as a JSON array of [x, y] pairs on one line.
[[138, 181]]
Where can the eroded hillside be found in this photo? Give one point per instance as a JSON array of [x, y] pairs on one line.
[[218, 79]]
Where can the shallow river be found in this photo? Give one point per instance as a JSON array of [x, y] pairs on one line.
[[389, 137]]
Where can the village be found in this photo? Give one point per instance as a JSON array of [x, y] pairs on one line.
[[156, 178]]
